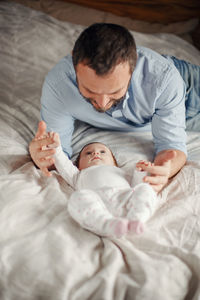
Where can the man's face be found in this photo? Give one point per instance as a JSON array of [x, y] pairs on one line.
[[103, 92], [95, 154]]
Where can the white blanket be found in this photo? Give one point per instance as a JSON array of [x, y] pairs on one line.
[[44, 254]]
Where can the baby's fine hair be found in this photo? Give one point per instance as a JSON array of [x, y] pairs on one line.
[[76, 162]]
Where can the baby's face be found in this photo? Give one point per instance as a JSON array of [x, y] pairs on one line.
[[94, 155]]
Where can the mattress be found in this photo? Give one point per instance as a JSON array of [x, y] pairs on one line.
[[44, 253]]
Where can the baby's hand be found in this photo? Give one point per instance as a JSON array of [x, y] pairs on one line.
[[143, 164], [55, 138]]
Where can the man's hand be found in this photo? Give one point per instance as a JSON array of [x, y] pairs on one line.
[[166, 164], [40, 154]]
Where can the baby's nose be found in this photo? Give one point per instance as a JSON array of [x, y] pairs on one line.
[[96, 152]]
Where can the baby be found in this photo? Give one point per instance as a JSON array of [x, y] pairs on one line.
[[105, 201]]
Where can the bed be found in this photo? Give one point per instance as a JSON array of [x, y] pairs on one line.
[[44, 254]]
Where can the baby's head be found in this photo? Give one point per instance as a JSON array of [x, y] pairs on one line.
[[95, 154]]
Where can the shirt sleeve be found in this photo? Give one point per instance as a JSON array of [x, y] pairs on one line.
[[54, 113], [168, 121], [65, 167]]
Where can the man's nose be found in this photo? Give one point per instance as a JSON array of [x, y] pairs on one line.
[[102, 101]]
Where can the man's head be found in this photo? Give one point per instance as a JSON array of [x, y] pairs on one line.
[[95, 154], [104, 57]]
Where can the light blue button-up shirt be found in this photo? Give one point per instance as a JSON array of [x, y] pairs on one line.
[[155, 101]]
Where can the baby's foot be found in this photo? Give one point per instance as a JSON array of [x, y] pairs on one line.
[[118, 227], [135, 227]]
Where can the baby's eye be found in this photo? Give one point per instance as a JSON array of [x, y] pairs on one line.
[[103, 151], [88, 152]]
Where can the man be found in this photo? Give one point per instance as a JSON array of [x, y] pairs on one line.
[[110, 84]]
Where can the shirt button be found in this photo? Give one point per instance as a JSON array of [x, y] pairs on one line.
[[117, 114]]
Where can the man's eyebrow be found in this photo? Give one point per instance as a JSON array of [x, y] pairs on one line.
[[115, 92]]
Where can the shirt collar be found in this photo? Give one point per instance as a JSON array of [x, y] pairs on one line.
[[116, 111]]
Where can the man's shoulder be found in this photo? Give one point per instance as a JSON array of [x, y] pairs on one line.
[[153, 68], [153, 61], [150, 55], [62, 71]]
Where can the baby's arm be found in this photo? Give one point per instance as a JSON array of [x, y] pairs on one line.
[[63, 164], [139, 172]]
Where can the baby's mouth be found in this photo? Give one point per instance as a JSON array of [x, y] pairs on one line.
[[96, 157]]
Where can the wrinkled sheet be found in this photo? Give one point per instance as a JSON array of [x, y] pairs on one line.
[[44, 254]]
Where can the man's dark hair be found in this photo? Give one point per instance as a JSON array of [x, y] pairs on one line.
[[102, 46]]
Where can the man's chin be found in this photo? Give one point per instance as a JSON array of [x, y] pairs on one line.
[[100, 110]]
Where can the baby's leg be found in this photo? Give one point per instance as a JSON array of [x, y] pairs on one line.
[[141, 206], [87, 208]]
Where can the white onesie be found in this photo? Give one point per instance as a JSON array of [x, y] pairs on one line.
[[104, 201]]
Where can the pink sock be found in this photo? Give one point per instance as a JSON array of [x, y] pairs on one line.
[[118, 227], [135, 227]]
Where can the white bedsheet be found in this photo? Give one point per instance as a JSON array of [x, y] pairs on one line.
[[44, 254]]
